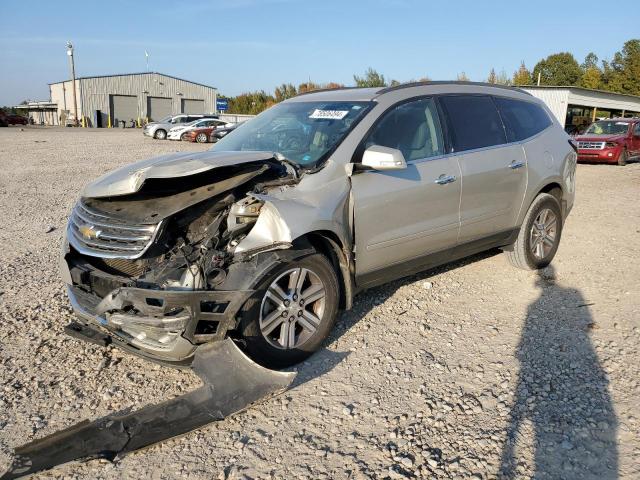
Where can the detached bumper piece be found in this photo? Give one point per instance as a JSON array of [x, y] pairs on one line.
[[164, 325], [231, 383]]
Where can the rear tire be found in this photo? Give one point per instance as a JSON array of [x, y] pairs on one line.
[[201, 138], [305, 302], [539, 236], [160, 134], [622, 159]]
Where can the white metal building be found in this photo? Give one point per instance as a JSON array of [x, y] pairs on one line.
[[107, 100], [575, 106]]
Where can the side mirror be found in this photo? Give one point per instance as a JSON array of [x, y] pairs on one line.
[[378, 157]]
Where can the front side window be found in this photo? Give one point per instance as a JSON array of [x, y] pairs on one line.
[[522, 119], [636, 131], [608, 127], [474, 121], [303, 132], [413, 128]]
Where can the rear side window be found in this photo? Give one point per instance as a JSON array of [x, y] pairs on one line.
[[474, 121], [522, 119]]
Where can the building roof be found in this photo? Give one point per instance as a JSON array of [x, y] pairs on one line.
[[37, 105], [137, 73], [582, 89]]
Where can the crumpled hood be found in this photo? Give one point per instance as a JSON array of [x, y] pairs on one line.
[[130, 178]]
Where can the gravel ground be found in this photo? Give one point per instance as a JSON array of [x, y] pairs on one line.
[[475, 370]]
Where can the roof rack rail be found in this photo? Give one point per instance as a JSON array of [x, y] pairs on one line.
[[447, 82], [326, 90]]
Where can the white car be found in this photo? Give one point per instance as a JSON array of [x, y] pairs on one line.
[[176, 133]]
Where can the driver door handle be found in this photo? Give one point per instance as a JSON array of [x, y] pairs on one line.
[[516, 164], [444, 179]]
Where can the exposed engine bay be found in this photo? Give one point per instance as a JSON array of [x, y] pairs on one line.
[[155, 268]]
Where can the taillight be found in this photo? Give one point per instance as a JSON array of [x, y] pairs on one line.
[[611, 144]]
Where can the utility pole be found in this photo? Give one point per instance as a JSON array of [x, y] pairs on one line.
[[73, 78]]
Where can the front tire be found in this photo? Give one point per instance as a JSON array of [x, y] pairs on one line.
[[539, 236], [201, 138], [622, 159], [291, 312], [160, 134]]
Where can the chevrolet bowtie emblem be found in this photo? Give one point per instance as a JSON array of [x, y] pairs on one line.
[[88, 232]]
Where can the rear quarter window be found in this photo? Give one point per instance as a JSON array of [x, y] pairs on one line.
[[474, 121], [521, 119]]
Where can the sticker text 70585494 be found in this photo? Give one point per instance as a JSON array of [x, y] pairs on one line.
[[329, 114]]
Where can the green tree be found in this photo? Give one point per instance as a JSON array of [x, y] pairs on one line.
[[591, 78], [622, 74], [522, 76], [591, 73], [590, 61], [250, 103], [371, 78], [492, 78], [502, 78], [284, 91], [462, 77], [308, 87], [558, 69]]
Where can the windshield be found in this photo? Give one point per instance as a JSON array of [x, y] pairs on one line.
[[303, 132], [166, 119], [605, 127]]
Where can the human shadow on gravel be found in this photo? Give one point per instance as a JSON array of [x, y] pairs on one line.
[[562, 392]]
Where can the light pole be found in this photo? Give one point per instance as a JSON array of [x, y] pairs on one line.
[[73, 78]]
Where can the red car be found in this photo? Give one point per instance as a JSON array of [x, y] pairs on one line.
[[203, 134], [614, 140]]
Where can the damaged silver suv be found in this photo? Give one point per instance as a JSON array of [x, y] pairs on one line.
[[267, 235]]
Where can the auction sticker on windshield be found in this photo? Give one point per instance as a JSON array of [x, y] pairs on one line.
[[329, 114]]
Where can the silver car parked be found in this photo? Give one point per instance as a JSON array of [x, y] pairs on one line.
[[159, 129], [267, 235]]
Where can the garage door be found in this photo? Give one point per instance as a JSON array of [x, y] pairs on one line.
[[192, 106], [123, 107], [158, 108]]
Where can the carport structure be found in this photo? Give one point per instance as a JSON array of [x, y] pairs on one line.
[[40, 113], [576, 106]]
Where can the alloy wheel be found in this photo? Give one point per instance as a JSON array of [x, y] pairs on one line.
[[543, 233], [292, 308]]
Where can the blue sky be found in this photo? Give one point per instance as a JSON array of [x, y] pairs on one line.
[[241, 45]]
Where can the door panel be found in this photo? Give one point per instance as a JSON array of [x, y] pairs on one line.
[[404, 214], [635, 140], [494, 184]]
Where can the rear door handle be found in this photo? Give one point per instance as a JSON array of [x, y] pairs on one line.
[[516, 164], [444, 179]]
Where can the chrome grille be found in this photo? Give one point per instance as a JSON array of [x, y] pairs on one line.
[[591, 145], [99, 235]]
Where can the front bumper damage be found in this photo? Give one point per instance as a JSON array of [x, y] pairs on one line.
[[167, 325], [231, 383]]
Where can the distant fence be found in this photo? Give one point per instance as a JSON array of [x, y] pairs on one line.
[[235, 118]]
